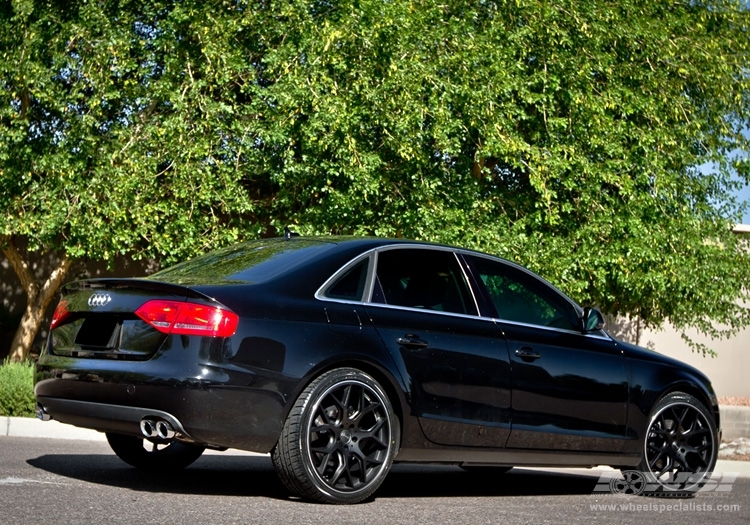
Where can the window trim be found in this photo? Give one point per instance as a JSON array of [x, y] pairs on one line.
[[484, 307], [373, 254]]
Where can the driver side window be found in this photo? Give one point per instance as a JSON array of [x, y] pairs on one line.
[[519, 297]]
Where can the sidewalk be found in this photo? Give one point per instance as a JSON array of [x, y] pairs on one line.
[[32, 427], [35, 428]]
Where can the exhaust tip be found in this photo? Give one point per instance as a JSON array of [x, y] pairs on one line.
[[148, 428], [164, 430], [41, 413]]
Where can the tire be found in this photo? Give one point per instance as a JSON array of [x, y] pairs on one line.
[[340, 438], [146, 455], [680, 446]]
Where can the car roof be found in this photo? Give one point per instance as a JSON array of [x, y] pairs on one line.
[[262, 260]]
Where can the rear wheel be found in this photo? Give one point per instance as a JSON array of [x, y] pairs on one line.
[[680, 447], [340, 438], [146, 455]]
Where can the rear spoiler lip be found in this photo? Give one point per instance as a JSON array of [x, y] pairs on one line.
[[135, 283]]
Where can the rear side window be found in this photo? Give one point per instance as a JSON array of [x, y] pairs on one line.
[[422, 278], [351, 285]]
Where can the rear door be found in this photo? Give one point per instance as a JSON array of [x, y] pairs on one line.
[[455, 362]]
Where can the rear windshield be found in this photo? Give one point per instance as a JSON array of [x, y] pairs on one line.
[[250, 262]]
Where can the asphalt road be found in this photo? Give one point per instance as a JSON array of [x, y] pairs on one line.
[[44, 481]]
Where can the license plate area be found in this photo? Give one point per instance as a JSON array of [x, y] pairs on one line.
[[99, 332], [106, 336]]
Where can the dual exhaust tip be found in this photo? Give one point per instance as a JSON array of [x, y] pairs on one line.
[[153, 428]]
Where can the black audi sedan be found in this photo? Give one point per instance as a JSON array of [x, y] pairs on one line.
[[341, 355]]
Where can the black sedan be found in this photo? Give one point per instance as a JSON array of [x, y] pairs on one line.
[[342, 355]]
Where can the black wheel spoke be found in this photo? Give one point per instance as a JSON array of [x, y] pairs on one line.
[[323, 464], [373, 436], [339, 440], [341, 469], [362, 467], [681, 439], [655, 460], [367, 408], [328, 449], [349, 437], [345, 400]]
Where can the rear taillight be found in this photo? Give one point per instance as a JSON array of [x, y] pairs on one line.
[[61, 312], [182, 318]]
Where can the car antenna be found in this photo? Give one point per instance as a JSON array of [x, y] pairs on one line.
[[288, 234]]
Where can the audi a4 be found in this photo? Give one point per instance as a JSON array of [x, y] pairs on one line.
[[341, 355]]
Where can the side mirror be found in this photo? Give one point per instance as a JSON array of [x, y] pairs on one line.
[[592, 320]]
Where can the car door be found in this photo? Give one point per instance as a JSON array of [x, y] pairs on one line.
[[455, 363], [569, 388]]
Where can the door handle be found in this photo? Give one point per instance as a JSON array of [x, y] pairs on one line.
[[527, 353], [411, 341]]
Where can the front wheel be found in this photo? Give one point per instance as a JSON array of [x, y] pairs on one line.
[[680, 446], [146, 455], [340, 438]]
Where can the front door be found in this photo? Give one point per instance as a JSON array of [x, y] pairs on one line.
[[569, 389]]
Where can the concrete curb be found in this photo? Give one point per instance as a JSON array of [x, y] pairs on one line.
[[36, 428]]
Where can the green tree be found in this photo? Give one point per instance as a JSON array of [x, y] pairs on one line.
[[119, 134], [566, 135]]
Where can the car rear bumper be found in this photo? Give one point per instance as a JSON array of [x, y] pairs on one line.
[[105, 418], [215, 415]]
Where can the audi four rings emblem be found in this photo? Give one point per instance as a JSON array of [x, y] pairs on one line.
[[99, 299]]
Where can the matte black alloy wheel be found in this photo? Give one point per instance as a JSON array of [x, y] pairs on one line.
[[681, 445], [340, 439], [147, 455]]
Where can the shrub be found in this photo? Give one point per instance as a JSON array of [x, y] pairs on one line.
[[17, 389]]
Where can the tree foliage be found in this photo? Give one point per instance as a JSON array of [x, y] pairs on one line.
[[118, 135], [597, 142], [573, 137]]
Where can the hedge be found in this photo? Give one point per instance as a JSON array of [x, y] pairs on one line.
[[17, 389]]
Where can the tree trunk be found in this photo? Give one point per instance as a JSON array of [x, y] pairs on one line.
[[38, 296], [26, 333]]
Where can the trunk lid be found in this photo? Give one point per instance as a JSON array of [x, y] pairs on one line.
[[97, 318]]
